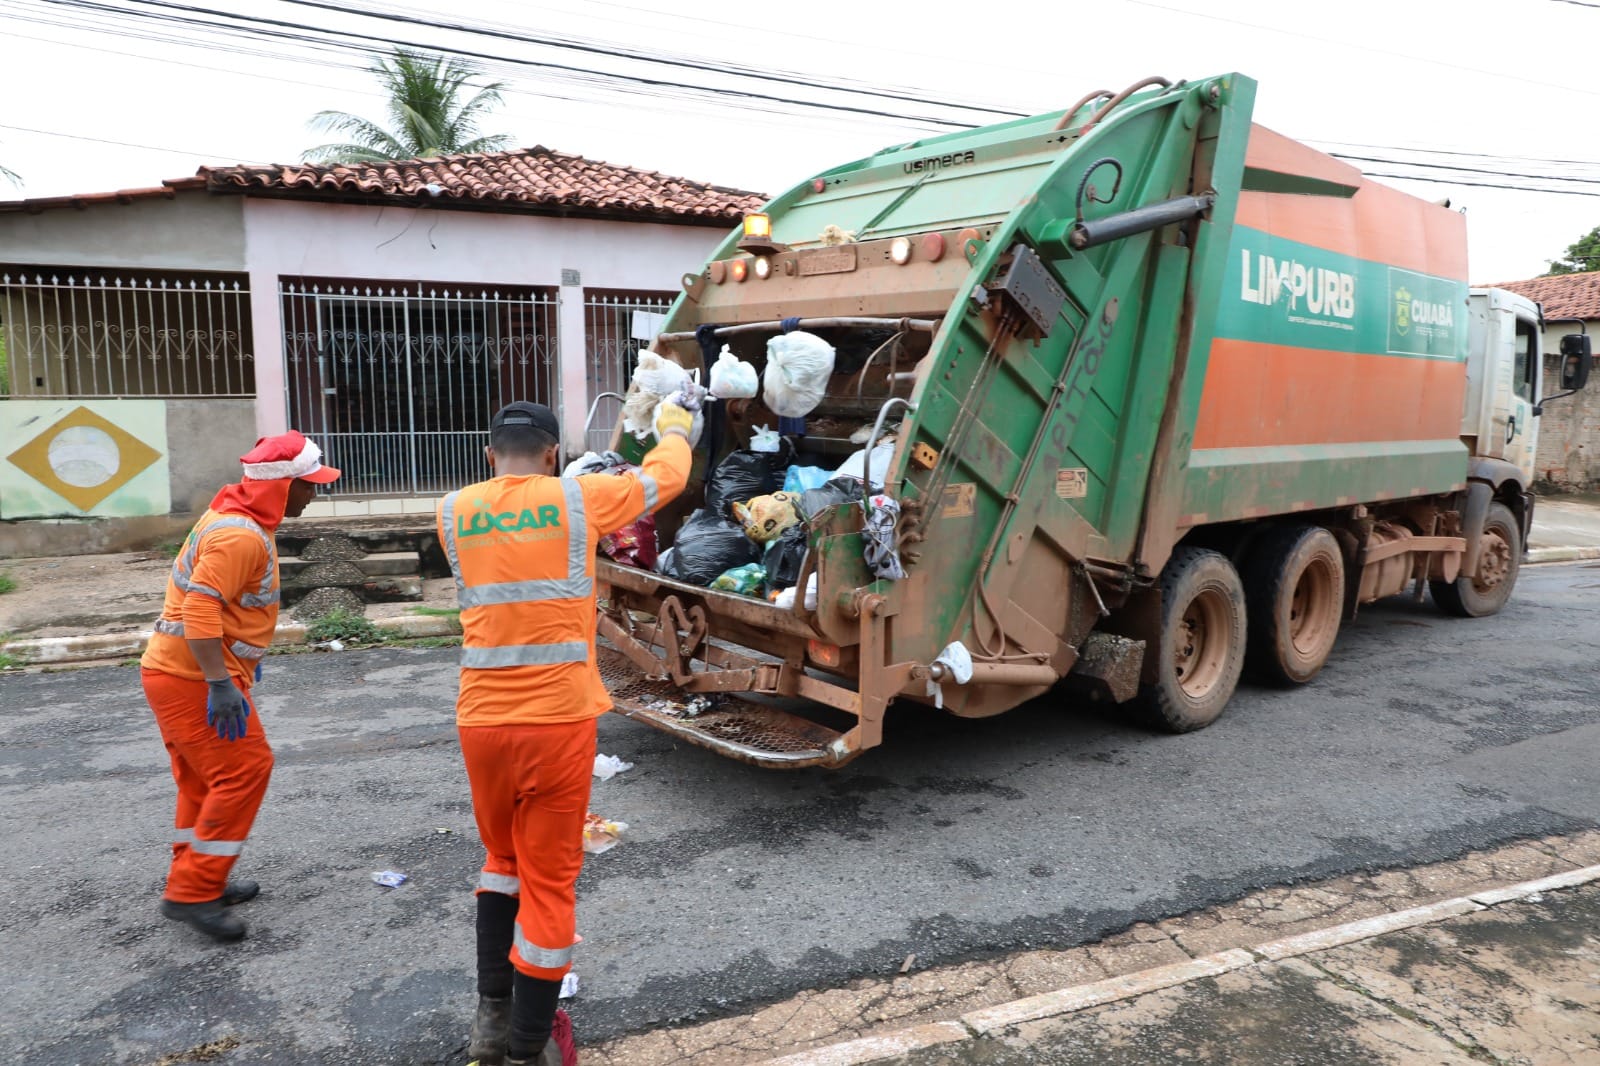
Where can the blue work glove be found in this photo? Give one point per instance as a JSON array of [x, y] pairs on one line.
[[226, 709], [258, 673]]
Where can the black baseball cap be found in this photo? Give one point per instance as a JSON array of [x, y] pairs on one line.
[[526, 413]]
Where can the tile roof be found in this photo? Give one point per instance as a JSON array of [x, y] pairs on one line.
[[167, 190], [532, 179], [1563, 295]]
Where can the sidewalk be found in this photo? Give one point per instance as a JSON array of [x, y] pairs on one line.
[[1512, 982], [113, 598]]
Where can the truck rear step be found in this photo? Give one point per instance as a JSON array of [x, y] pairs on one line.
[[750, 732]]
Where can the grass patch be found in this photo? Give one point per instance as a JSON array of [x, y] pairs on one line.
[[436, 612], [10, 662], [170, 548], [347, 626], [7, 582]]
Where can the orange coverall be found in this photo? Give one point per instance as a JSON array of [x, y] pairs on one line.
[[523, 553], [224, 583]]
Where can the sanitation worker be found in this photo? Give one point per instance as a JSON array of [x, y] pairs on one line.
[[522, 547], [216, 623]]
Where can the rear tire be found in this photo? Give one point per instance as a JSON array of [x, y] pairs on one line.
[[1294, 588], [1499, 561], [1199, 651]]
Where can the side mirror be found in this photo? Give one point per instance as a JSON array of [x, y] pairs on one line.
[[1576, 359]]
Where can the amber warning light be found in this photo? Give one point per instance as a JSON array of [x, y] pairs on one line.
[[758, 226]]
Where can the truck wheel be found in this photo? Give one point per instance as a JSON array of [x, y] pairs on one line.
[[1200, 649], [1294, 586], [1484, 593]]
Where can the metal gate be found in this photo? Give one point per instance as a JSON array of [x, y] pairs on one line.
[[398, 382], [619, 325]]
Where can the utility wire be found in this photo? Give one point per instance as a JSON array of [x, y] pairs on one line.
[[124, 144]]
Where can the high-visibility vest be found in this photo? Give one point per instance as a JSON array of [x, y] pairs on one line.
[[522, 550], [248, 618]]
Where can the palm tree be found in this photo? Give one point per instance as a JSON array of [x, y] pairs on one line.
[[425, 111]]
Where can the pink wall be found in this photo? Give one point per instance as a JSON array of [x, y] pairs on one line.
[[285, 238]]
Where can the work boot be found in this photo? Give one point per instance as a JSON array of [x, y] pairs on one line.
[[208, 917], [491, 1031], [240, 892], [559, 1050]]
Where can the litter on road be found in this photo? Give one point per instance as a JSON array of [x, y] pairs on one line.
[[569, 985], [608, 766], [600, 835]]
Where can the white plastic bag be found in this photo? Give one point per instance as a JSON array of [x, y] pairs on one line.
[[765, 440], [732, 378], [798, 367], [857, 464], [785, 599], [654, 379], [608, 766], [957, 663]]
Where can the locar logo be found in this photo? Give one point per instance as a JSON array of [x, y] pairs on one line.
[[1402, 310]]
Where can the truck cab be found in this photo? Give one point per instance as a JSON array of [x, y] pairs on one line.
[[1505, 362]]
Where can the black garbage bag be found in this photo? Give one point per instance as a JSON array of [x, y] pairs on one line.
[[743, 475], [707, 545], [783, 558], [839, 490]]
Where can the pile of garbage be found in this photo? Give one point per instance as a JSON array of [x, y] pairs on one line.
[[751, 536]]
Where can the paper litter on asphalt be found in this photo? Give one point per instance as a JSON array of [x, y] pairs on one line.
[[600, 835], [569, 985], [389, 878]]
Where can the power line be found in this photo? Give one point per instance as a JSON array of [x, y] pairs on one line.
[[127, 144], [1480, 184], [1467, 170]]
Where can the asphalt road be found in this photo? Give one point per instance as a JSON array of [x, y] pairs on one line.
[[1424, 737]]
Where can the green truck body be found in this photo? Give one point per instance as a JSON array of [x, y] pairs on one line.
[[1169, 387]]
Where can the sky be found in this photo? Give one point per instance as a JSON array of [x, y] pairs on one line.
[[99, 100]]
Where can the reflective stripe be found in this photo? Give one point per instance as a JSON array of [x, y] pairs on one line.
[[183, 568], [447, 519], [497, 657], [544, 958], [577, 528], [195, 586], [652, 491], [208, 847], [501, 883], [559, 588], [238, 647]]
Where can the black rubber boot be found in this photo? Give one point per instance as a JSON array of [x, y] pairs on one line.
[[491, 1031], [240, 892], [532, 1020], [208, 917]]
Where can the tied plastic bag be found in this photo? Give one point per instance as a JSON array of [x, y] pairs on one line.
[[746, 580], [858, 465], [957, 663], [784, 557], [654, 379], [708, 545], [608, 766], [765, 440], [785, 599], [836, 492], [732, 378], [764, 517], [742, 475], [593, 463], [798, 367], [805, 478]]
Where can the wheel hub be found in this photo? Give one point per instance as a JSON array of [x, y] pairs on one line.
[[1494, 564]]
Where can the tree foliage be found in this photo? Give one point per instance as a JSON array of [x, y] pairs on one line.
[[1582, 255], [430, 114]]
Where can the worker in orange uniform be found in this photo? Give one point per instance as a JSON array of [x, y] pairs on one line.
[[522, 547], [216, 623]]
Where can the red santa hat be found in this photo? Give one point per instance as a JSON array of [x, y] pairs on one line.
[[288, 455]]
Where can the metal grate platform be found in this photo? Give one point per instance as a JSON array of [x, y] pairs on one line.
[[750, 732]]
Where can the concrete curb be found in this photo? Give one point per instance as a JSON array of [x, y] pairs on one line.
[[51, 651], [996, 1019], [1561, 555]]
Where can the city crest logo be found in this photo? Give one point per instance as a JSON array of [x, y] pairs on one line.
[[1402, 311]]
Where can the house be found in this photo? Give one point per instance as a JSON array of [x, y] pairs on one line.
[[387, 310], [1569, 429]]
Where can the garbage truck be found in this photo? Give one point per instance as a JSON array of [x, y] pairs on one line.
[[1170, 395]]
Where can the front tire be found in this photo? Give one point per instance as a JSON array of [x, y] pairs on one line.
[[1499, 561], [1295, 593], [1199, 651]]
